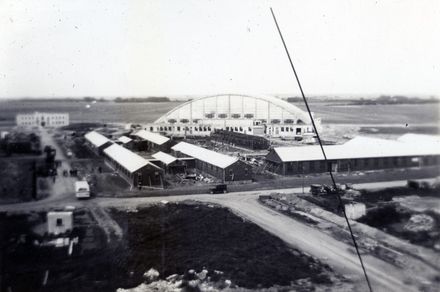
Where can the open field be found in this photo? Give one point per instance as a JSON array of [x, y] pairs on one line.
[[98, 112], [376, 114], [148, 112]]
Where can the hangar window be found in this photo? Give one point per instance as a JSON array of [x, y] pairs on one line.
[[222, 116], [204, 129], [288, 121], [196, 129], [236, 116], [248, 116], [236, 129], [184, 121], [275, 121], [282, 129], [241, 129], [178, 128], [209, 116]]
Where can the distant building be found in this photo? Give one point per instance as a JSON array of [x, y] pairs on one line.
[[37, 119], [59, 222], [253, 115], [136, 170], [358, 154], [19, 142], [97, 142], [224, 167]]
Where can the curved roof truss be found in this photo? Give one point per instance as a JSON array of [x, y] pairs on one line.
[[236, 106]]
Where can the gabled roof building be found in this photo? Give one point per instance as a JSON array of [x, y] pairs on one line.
[[149, 141], [360, 153], [224, 167], [135, 169], [97, 142]]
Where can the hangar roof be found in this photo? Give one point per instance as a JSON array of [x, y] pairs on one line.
[[96, 139], [152, 137], [236, 103], [359, 147], [208, 156], [127, 159]]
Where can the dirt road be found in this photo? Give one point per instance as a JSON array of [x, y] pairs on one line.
[[340, 256], [63, 187]]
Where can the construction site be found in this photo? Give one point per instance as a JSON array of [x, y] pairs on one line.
[[111, 181]]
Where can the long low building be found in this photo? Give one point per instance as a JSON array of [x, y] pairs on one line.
[[222, 166], [97, 142], [37, 119], [358, 154], [135, 169], [150, 141]]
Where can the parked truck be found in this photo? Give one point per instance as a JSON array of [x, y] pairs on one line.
[[82, 189]]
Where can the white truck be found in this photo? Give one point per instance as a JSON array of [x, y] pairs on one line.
[[82, 189]]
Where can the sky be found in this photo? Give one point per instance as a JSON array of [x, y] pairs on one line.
[[134, 48]]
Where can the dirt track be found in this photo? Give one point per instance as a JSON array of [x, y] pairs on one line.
[[337, 254]]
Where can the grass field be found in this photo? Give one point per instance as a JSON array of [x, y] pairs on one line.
[[148, 112]]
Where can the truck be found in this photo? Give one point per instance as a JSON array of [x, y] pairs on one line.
[[218, 189], [82, 189]]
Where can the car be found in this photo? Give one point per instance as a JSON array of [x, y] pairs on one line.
[[218, 189]]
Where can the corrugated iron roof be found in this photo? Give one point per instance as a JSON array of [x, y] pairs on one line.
[[359, 147], [96, 139], [152, 137], [164, 157], [205, 155], [127, 159], [124, 139]]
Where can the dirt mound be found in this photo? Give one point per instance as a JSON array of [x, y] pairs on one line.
[[420, 222]]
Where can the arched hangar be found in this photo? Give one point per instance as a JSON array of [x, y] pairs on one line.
[[255, 115]]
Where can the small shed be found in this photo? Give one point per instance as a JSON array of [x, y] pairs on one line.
[[168, 162], [59, 222], [125, 141]]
